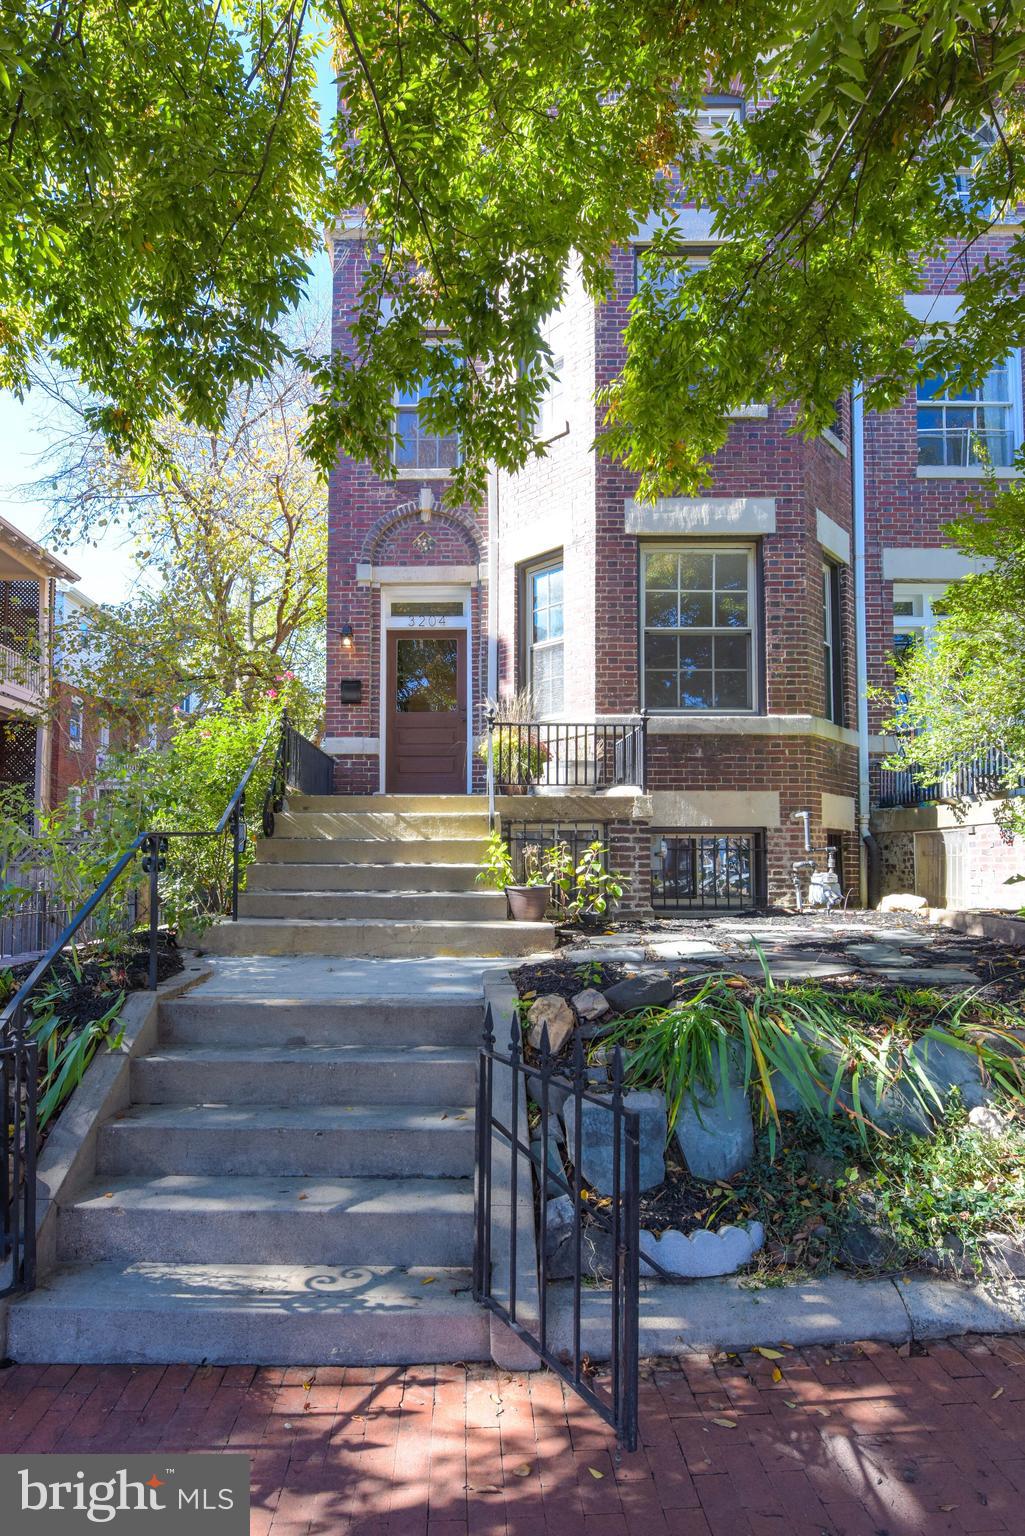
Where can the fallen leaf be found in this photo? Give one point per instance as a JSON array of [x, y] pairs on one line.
[[524, 1469], [109, 1195], [777, 1374], [726, 1423], [428, 1279], [824, 1412], [483, 1488], [998, 1393], [304, 1197], [595, 1473], [904, 1351], [495, 1397], [308, 1385], [768, 1354], [791, 1403], [946, 1508]]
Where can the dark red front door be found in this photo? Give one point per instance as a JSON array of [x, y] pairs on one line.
[[426, 704]]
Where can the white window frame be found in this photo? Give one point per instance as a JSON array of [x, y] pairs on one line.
[[704, 546], [534, 569], [415, 471], [1012, 403], [717, 113], [920, 625]]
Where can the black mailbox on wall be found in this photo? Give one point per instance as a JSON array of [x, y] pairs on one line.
[[352, 690]]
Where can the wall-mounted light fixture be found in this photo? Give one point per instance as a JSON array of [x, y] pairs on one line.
[[426, 503], [346, 636]]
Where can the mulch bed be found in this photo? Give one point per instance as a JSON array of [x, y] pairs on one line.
[[87, 994], [565, 978]]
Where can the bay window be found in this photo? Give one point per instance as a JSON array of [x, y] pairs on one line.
[[698, 623]]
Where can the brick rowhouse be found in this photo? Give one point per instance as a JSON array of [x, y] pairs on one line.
[[717, 778]]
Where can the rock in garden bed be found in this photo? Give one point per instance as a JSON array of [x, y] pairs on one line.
[[596, 1135]]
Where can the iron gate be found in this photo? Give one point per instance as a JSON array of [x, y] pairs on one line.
[[611, 1226]]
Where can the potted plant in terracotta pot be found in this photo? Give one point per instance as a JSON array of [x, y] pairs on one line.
[[530, 899]]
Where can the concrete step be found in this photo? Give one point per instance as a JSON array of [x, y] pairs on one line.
[[239, 1314], [384, 826], [399, 804], [211, 1219], [376, 937], [309, 1074], [287, 876], [399, 906], [348, 850], [198, 1020], [325, 1140]]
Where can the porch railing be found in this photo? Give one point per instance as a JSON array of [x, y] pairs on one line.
[[981, 777], [588, 755], [295, 768]]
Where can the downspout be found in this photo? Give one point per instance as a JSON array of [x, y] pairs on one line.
[[868, 860], [491, 690]]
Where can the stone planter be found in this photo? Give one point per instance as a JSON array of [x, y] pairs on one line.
[[528, 903], [703, 1253]]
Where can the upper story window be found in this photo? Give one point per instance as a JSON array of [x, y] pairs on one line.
[[698, 622], [75, 725], [415, 446], [972, 428], [917, 609], [832, 631], [545, 659], [667, 279], [714, 115]]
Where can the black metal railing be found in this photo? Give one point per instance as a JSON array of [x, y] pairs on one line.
[[697, 871], [558, 754], [18, 1052], [500, 1123], [980, 778], [298, 764]]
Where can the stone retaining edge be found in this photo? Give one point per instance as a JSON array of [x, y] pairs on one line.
[[68, 1159]]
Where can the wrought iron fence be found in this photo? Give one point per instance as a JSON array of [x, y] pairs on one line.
[[982, 777], [502, 1081], [707, 871], [298, 764], [557, 754]]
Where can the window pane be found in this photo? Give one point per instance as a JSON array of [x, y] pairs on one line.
[[696, 610], [660, 690], [426, 673], [731, 690], [660, 651], [731, 572], [547, 679], [732, 651], [695, 652], [731, 610], [555, 584], [696, 690], [663, 611], [660, 572], [696, 572]]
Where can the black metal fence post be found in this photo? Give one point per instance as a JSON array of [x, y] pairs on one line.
[[238, 842]]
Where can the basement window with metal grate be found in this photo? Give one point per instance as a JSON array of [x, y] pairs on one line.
[[712, 870]]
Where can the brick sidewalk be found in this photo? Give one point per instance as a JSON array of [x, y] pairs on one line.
[[858, 1441]]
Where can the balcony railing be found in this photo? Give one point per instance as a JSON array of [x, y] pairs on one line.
[[983, 777], [558, 754], [22, 678]]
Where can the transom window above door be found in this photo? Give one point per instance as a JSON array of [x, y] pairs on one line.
[[698, 620], [545, 656]]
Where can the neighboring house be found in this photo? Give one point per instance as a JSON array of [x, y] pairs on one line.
[[730, 619], [28, 574], [81, 723]]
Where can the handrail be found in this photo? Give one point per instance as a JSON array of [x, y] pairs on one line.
[[19, 1052]]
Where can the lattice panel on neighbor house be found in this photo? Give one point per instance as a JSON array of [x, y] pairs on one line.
[[17, 754]]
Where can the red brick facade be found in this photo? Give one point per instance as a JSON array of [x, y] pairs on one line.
[[708, 772]]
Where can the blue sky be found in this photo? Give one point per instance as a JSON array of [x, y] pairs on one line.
[[106, 572]]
